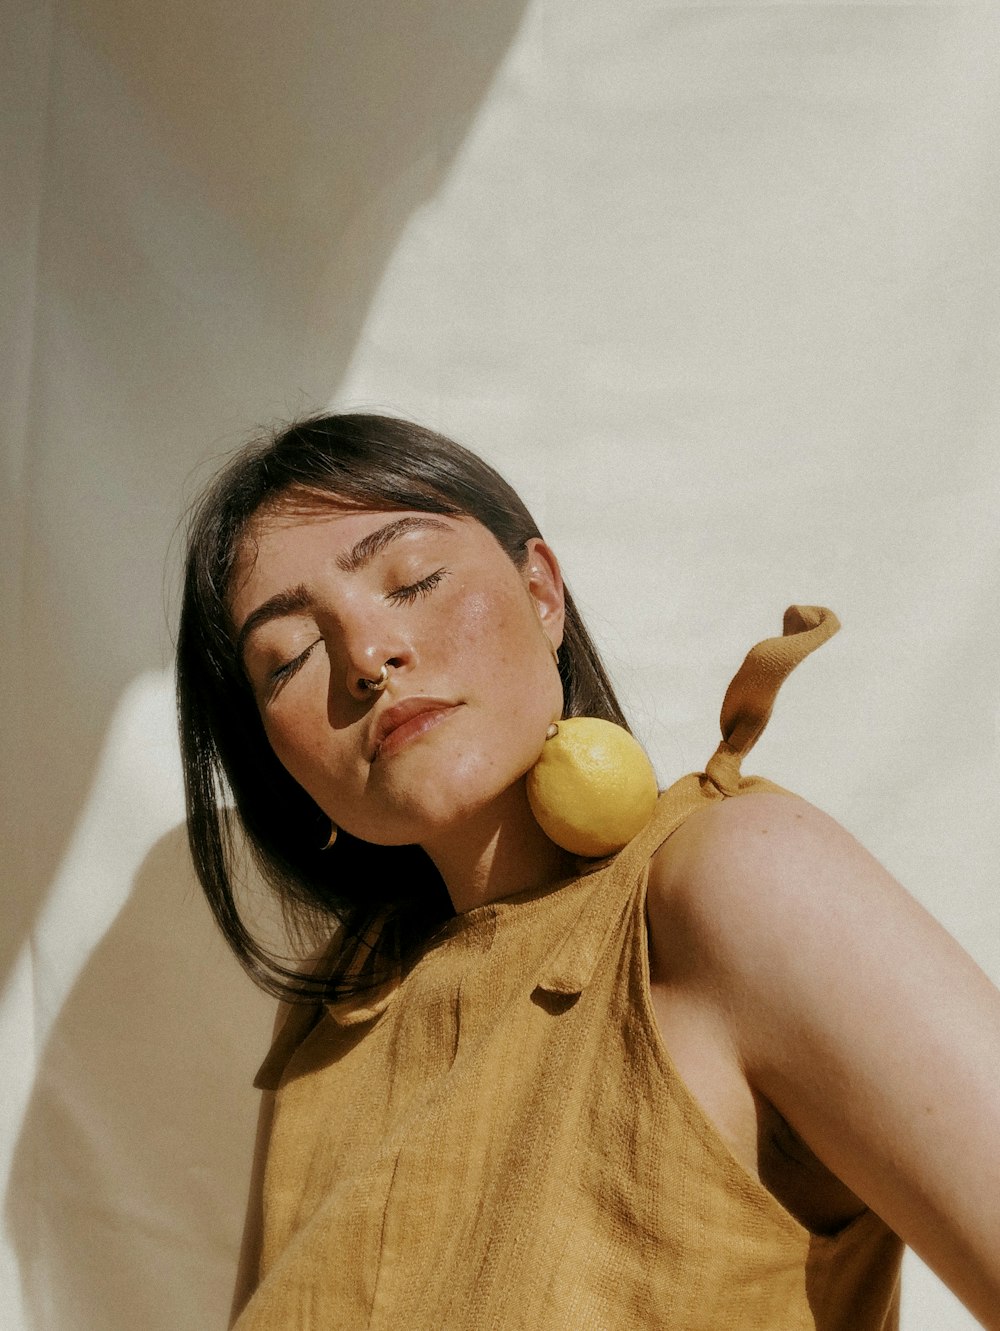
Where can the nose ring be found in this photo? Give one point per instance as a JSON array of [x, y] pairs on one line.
[[376, 685]]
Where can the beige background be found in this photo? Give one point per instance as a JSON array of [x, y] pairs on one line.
[[716, 285]]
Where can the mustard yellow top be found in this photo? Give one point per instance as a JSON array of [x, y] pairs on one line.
[[498, 1140]]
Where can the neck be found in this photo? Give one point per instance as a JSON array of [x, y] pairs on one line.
[[501, 851]]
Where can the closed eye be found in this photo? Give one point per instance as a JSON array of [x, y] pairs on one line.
[[406, 595], [283, 673]]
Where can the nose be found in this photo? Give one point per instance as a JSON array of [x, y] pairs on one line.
[[372, 659]]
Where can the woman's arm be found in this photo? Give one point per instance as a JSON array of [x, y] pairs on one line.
[[855, 1014]]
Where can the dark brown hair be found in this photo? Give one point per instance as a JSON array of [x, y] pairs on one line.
[[390, 895]]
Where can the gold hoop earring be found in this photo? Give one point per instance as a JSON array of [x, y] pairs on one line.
[[332, 839]]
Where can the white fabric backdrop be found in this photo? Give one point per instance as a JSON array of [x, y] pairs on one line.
[[715, 285]]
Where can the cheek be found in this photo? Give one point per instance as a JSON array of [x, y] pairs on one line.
[[490, 625], [489, 639], [289, 739], [295, 750], [300, 734], [504, 656]]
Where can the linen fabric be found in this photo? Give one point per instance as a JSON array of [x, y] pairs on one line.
[[498, 1138]]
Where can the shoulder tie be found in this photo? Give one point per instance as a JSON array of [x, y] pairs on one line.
[[750, 697]]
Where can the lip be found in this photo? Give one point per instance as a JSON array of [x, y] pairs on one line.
[[406, 720]]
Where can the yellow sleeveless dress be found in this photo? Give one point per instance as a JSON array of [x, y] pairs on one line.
[[499, 1140]]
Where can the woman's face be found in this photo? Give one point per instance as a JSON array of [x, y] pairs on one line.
[[322, 600]]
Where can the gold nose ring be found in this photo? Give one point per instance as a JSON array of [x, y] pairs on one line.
[[376, 685]]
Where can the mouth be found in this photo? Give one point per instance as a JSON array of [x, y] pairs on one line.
[[406, 721]]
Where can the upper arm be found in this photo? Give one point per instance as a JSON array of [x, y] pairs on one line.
[[861, 1020]]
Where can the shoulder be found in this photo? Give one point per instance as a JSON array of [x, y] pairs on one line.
[[777, 907], [756, 833], [757, 869], [773, 911]]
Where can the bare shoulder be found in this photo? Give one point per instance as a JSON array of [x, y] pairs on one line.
[[765, 833], [759, 869], [778, 906]]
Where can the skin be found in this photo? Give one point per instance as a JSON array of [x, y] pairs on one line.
[[458, 623], [840, 1041]]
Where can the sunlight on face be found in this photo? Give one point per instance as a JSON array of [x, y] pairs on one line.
[[323, 600]]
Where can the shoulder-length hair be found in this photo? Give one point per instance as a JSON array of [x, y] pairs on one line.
[[387, 901]]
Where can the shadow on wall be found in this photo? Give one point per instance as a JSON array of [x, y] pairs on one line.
[[127, 1197], [224, 185], [298, 121]]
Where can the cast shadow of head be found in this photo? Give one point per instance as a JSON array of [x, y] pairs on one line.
[[256, 164], [130, 1175]]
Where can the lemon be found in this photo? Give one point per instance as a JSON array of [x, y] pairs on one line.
[[593, 788]]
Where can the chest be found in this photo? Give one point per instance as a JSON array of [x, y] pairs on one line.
[[507, 1143]]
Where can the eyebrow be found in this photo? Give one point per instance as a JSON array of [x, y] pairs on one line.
[[296, 599], [369, 546], [285, 603]]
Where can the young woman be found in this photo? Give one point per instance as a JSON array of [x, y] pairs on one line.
[[700, 1083]]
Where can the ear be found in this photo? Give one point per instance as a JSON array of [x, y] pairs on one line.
[[543, 580]]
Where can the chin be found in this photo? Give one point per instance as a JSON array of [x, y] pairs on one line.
[[436, 790], [450, 812]]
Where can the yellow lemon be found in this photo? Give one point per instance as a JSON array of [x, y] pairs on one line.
[[593, 788]]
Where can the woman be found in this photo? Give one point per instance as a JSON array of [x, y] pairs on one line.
[[703, 1082]]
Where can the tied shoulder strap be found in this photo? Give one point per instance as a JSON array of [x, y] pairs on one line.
[[750, 697], [745, 711]]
